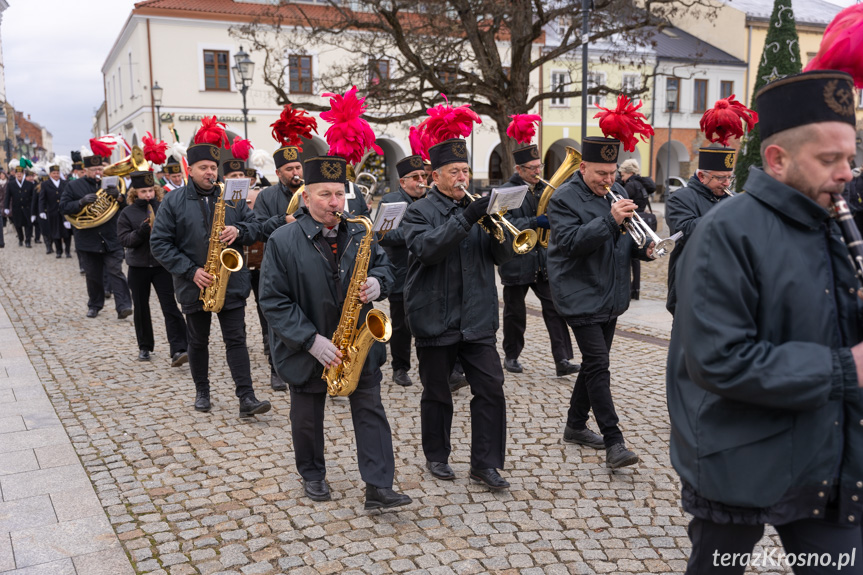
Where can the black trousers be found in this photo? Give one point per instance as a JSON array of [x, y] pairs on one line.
[[265, 328], [371, 430], [400, 342], [233, 324], [37, 229], [58, 245], [140, 280], [25, 232], [714, 547], [593, 385], [515, 321], [636, 274], [96, 265], [484, 373]]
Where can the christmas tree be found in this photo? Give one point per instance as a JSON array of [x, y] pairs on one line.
[[780, 58]]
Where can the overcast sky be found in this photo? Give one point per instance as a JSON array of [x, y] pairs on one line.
[[53, 51]]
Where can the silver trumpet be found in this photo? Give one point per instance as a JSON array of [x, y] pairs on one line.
[[728, 192], [642, 234]]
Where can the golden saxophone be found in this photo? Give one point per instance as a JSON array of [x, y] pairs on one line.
[[353, 342], [221, 260]]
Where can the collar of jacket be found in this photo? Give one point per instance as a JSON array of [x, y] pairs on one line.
[[785, 199], [312, 228], [695, 184], [535, 189], [193, 194], [443, 203], [406, 197]]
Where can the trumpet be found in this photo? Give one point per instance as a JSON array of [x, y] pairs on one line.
[[728, 192], [523, 240], [641, 232]]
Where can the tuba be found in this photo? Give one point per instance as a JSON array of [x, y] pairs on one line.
[[353, 342], [221, 260], [563, 173], [104, 208]]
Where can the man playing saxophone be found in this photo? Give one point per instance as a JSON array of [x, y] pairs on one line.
[[303, 311], [181, 241]]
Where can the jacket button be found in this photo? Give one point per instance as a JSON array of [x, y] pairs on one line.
[[816, 512], [820, 494], [851, 518], [836, 422], [851, 290], [860, 485], [854, 498], [827, 291]]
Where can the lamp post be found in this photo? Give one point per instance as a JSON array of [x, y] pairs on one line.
[[157, 101], [3, 120], [670, 106], [243, 73]]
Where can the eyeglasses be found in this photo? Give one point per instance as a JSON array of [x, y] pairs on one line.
[[535, 168], [415, 177], [722, 178]]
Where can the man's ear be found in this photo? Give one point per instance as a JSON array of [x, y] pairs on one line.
[[776, 160]]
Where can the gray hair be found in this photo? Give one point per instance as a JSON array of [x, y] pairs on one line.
[[630, 166]]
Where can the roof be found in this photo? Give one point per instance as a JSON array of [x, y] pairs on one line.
[[29, 129], [675, 44], [818, 12]]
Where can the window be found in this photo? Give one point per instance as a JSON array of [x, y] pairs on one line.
[[699, 103], [114, 90], [559, 80], [120, 83], [217, 70], [631, 84], [379, 75], [131, 81], [669, 84], [300, 74], [726, 89], [595, 79]]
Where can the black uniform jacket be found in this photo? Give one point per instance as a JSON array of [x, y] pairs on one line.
[[588, 255], [762, 388], [19, 200], [102, 238], [134, 237], [49, 204], [450, 292], [301, 296], [180, 241], [683, 210], [394, 243], [527, 268]]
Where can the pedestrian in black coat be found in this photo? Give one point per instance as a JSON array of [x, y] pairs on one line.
[[34, 206], [50, 192], [18, 206], [133, 230], [3, 183]]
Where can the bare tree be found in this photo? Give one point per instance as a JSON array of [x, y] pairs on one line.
[[405, 53]]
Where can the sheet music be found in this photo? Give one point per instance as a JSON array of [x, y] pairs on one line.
[[110, 182], [505, 199], [389, 216], [237, 189]]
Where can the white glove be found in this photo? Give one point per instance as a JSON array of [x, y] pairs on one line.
[[67, 225], [32, 219], [6, 212], [324, 351], [372, 290], [43, 215]]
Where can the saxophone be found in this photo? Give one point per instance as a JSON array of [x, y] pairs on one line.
[[221, 260], [352, 342]]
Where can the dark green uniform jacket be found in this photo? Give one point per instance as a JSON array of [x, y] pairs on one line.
[[450, 291], [101, 239], [181, 238], [588, 255], [766, 415], [301, 297], [683, 210], [394, 244], [271, 207], [528, 268]]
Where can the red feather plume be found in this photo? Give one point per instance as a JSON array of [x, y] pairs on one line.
[[241, 148], [418, 146], [446, 122], [522, 129], [292, 126], [100, 148], [842, 45], [723, 120], [349, 136], [624, 123], [155, 152], [212, 132]]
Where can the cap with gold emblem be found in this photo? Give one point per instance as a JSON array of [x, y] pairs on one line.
[[54, 168], [448, 152], [251, 173], [92, 161], [233, 165], [286, 155], [77, 165], [600, 150], [172, 166], [409, 164], [141, 180], [326, 169], [716, 159], [525, 154]]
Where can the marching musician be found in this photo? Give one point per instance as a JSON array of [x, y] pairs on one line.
[[452, 310], [30, 176], [174, 174], [133, 229], [529, 272], [49, 212], [4, 181], [588, 268], [180, 241], [765, 363], [99, 249], [272, 204], [411, 188], [303, 311], [18, 205]]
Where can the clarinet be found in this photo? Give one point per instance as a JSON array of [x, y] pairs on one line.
[[849, 231]]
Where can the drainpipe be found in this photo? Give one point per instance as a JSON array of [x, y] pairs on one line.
[[150, 59], [653, 116]]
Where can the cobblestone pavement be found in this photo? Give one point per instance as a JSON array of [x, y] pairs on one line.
[[208, 493]]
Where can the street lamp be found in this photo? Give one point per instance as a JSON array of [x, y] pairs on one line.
[[243, 72], [671, 93], [157, 101]]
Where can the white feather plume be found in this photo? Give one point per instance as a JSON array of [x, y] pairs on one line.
[[262, 161], [13, 163], [65, 163], [177, 150], [41, 168], [86, 151]]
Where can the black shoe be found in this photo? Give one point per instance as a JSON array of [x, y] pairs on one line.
[[384, 498], [202, 401], [583, 437], [512, 365], [124, 313], [250, 406], [20, 243], [59, 255], [633, 294], [457, 381], [276, 382], [317, 490], [490, 477], [144, 355], [27, 245], [49, 251], [38, 241], [441, 470], [563, 367], [107, 295], [619, 456], [179, 358], [92, 312], [81, 271], [401, 377], [68, 255]]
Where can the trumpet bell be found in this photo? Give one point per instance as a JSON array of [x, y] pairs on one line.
[[664, 247]]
